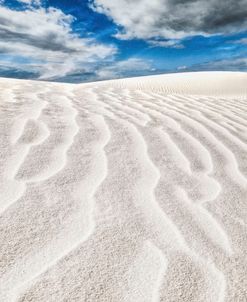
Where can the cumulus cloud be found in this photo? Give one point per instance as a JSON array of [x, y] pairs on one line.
[[44, 37], [174, 19], [31, 2], [241, 41], [129, 67], [231, 64], [102, 71], [183, 67], [167, 44]]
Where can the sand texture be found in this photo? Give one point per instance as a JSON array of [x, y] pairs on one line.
[[129, 190]]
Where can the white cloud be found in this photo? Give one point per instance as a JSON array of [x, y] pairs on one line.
[[129, 67], [44, 37], [173, 19], [31, 2], [241, 41], [183, 67], [167, 44], [230, 64]]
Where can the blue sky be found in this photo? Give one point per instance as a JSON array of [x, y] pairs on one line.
[[80, 40]]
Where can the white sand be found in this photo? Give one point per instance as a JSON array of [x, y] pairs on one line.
[[130, 190]]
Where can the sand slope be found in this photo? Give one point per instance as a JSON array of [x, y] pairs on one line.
[[129, 190]]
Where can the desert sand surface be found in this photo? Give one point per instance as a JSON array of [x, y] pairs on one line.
[[129, 190]]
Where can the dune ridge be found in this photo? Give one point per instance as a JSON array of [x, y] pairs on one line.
[[124, 190]]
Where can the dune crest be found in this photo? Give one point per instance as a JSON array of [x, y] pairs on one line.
[[124, 190]]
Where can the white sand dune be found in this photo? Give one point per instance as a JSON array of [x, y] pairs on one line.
[[128, 190]]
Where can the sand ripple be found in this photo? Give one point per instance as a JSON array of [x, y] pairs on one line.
[[130, 190]]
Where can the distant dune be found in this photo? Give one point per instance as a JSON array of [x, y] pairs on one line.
[[129, 190]]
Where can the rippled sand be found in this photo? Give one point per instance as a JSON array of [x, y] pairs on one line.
[[130, 190]]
